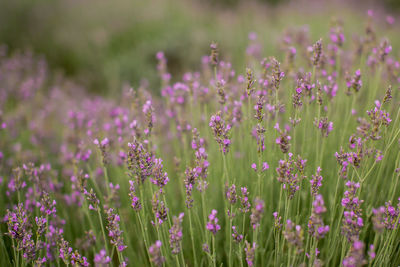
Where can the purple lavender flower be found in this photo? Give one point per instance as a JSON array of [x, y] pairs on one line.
[[212, 224], [244, 200], [371, 252], [355, 258], [378, 119], [101, 259], [92, 199], [290, 173], [19, 229], [385, 217], [201, 162], [65, 251], [250, 82], [159, 209], [139, 162], [257, 212], [160, 177], [316, 182], [250, 250], [230, 193], [236, 236], [114, 231], [354, 82], [175, 234], [190, 181], [41, 225], [103, 145], [148, 110], [352, 221], [277, 221], [294, 235], [155, 253], [316, 226], [260, 130], [324, 125], [283, 139], [221, 131], [214, 54], [317, 52], [136, 205]]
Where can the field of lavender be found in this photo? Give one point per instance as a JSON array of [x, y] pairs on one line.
[[292, 159]]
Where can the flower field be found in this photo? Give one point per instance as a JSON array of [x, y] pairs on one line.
[[292, 159]]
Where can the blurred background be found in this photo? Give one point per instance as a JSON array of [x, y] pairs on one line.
[[103, 44]]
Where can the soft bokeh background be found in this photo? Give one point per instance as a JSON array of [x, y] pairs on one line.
[[105, 44]]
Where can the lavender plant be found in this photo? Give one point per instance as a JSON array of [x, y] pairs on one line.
[[292, 160]]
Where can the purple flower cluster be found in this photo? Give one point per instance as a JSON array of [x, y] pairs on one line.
[[69, 257], [354, 82], [101, 259], [250, 250], [114, 230], [175, 234], [290, 173], [316, 226], [277, 221], [155, 254], [148, 110], [136, 205], [244, 200], [352, 221], [283, 139], [257, 212], [190, 181], [316, 182], [356, 257], [160, 178], [385, 217], [140, 162], [265, 166], [103, 145], [19, 229], [221, 131], [324, 125], [378, 118], [236, 236], [294, 235], [201, 162], [159, 209], [317, 52], [212, 224], [230, 193]]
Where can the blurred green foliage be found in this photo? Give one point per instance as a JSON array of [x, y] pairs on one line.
[[102, 44]]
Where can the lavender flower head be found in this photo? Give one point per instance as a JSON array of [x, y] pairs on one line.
[[135, 201], [250, 250], [355, 258], [101, 259], [155, 253], [257, 212], [114, 230], [316, 182], [324, 125], [175, 234], [212, 224], [244, 200], [236, 236], [221, 131], [283, 139], [160, 178], [316, 226], [294, 235], [352, 221]]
